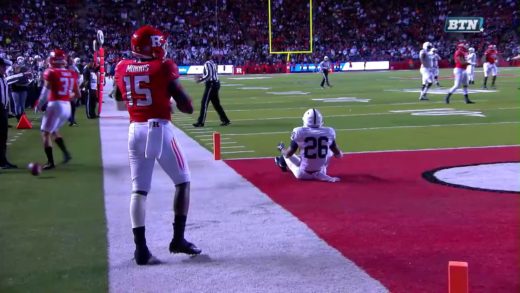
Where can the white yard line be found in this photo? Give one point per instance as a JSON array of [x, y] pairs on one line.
[[236, 152], [385, 127], [249, 243], [233, 147]]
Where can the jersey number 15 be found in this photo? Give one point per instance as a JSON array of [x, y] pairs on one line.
[[134, 92]]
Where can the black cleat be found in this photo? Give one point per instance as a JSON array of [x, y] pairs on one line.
[[48, 166], [8, 165], [469, 102], [143, 256], [225, 123], [73, 123], [198, 124], [66, 158], [280, 162], [184, 246]]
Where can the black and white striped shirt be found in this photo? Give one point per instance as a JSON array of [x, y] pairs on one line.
[[4, 88], [210, 71]]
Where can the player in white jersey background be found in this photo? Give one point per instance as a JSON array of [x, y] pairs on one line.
[[435, 65], [472, 63], [426, 67], [317, 144]]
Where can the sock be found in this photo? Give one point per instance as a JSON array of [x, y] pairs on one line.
[[493, 80], [61, 144], [178, 227], [139, 236], [137, 210], [50, 157], [465, 90], [466, 98], [485, 81]]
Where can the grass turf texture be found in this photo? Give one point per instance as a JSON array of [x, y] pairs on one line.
[[260, 120], [52, 226]]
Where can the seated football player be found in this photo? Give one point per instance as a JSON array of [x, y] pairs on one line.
[[317, 144]]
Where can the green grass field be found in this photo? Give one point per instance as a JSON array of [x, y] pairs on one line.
[[52, 227]]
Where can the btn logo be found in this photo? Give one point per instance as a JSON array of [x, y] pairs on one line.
[[464, 25]]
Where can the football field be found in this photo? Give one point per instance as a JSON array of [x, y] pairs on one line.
[[53, 227], [369, 110]]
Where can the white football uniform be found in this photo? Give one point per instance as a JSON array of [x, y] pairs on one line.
[[435, 64], [56, 114], [163, 147], [426, 65], [314, 144], [472, 60]]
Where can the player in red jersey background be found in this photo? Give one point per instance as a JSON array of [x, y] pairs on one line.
[[461, 76], [146, 85], [490, 65], [59, 83]]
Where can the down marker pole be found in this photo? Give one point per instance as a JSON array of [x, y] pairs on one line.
[[458, 277], [216, 145]]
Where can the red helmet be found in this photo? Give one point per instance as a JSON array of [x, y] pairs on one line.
[[463, 46], [492, 47], [57, 58], [148, 42]]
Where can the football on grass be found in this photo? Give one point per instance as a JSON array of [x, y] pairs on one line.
[[35, 168]]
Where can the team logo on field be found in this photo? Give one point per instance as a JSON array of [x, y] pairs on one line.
[[499, 177], [441, 112], [464, 25]]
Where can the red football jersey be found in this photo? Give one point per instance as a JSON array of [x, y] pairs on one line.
[[460, 54], [491, 56], [62, 82], [144, 86]]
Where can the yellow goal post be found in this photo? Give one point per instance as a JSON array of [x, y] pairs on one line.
[[290, 52]]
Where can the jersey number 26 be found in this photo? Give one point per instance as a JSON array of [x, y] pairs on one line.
[[316, 147]]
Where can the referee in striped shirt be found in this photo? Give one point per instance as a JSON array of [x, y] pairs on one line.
[[324, 67], [210, 77], [4, 102]]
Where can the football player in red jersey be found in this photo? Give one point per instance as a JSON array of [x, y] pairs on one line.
[[146, 86], [490, 65], [59, 83], [461, 76]]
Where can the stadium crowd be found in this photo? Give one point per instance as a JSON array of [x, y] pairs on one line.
[[238, 30]]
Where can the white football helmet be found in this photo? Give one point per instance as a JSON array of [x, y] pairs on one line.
[[325, 58], [433, 50], [471, 50], [427, 45], [312, 118]]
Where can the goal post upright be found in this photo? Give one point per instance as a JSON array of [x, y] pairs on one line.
[[288, 53]]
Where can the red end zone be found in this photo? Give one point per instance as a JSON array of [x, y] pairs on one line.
[[400, 228]]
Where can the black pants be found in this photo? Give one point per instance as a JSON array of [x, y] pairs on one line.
[[92, 100], [3, 134], [325, 73], [211, 94]]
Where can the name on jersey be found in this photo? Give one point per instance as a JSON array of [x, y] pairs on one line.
[[138, 68], [464, 25]]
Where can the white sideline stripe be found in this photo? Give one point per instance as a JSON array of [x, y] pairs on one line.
[[401, 150], [233, 147], [385, 127], [240, 252], [204, 135], [236, 152]]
